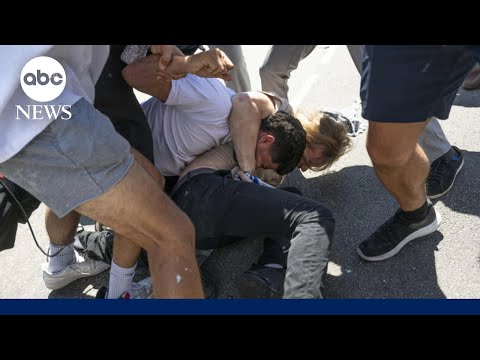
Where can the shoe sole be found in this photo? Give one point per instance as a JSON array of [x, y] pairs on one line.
[[433, 197], [58, 284], [253, 287], [417, 234]]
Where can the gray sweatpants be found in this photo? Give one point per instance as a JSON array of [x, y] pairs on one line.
[[281, 60]]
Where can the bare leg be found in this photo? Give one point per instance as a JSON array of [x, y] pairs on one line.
[[61, 231], [126, 251], [400, 163], [138, 210], [432, 140]]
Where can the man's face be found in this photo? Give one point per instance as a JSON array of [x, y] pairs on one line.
[[263, 150], [312, 157]]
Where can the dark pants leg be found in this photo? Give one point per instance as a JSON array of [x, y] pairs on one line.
[[10, 213], [275, 248], [224, 210], [116, 99], [98, 245]]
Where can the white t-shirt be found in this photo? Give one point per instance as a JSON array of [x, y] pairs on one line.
[[83, 65], [192, 120]]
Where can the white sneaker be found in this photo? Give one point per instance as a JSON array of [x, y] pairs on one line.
[[140, 290], [82, 267]]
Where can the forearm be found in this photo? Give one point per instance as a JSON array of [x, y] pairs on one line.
[[143, 76], [248, 110], [244, 122], [211, 63]]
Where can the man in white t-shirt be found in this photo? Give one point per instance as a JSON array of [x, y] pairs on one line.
[[297, 230], [82, 166], [190, 115]]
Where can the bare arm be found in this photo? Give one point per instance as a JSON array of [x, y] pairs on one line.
[[211, 63], [145, 76], [248, 110]]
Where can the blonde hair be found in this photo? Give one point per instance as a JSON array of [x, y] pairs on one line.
[[323, 129]]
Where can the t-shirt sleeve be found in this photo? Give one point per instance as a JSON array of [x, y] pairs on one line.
[[281, 104]]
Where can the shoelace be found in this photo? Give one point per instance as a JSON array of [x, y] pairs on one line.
[[437, 170], [387, 227]]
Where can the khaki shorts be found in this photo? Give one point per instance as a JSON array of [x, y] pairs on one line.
[[71, 161]]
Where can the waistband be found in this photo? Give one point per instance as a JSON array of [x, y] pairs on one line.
[[190, 175]]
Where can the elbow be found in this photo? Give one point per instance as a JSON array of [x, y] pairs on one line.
[[242, 101]]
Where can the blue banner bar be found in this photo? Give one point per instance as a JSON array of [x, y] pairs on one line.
[[239, 307]]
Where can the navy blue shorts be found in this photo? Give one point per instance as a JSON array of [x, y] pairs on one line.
[[411, 83]]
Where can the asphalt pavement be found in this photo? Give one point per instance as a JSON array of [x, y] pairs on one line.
[[445, 264]]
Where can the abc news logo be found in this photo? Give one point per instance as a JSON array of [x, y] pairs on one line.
[[43, 79]]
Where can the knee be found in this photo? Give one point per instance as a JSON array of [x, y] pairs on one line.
[[180, 237], [266, 70], [324, 217], [188, 233], [320, 216], [323, 213], [383, 155]]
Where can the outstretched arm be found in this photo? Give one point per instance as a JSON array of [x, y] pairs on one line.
[[248, 110]]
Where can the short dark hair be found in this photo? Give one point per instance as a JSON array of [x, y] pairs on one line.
[[290, 140]]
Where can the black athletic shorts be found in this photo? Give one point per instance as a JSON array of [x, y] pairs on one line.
[[411, 83]]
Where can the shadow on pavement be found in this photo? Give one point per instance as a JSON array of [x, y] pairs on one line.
[[360, 205]]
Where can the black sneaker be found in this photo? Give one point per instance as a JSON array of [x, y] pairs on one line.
[[261, 282], [397, 232], [443, 172]]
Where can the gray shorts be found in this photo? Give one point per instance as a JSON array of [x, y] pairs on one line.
[[71, 161]]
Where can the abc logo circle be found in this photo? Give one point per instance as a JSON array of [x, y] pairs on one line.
[[43, 79]]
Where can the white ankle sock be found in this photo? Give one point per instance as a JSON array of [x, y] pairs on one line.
[[120, 280], [59, 262]]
